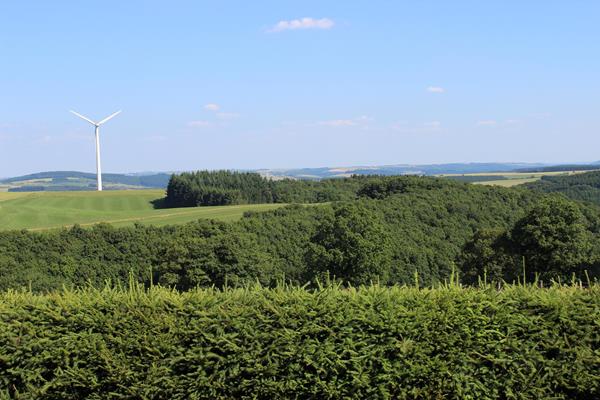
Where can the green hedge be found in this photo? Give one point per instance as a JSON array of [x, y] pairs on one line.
[[292, 343]]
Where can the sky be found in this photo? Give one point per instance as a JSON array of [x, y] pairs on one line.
[[288, 84]]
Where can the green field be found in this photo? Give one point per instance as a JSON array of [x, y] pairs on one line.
[[48, 210], [508, 179]]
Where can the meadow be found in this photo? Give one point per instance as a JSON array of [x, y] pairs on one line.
[[508, 179], [50, 210]]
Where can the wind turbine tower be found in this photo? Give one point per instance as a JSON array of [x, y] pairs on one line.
[[97, 131]]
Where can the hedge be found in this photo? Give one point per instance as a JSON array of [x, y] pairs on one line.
[[367, 343]]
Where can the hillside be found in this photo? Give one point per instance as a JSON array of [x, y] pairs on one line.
[[74, 180], [207, 188], [508, 179], [46, 210], [562, 167], [581, 187], [81, 181], [394, 228], [396, 169]]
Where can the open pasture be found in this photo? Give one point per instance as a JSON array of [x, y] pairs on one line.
[[49, 210], [507, 179]]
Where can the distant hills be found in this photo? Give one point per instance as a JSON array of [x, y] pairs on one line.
[[74, 180], [398, 169], [565, 167]]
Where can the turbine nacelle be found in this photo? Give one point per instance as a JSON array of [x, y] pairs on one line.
[[96, 123]]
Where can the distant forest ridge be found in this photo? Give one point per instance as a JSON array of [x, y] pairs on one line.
[[75, 180], [581, 187], [564, 167], [399, 169]]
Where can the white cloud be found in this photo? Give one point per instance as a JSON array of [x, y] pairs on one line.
[[487, 122], [199, 124], [361, 121], [512, 121], [212, 107], [227, 115], [339, 122], [219, 114], [303, 23], [435, 89]]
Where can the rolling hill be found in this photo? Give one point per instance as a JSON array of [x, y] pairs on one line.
[[78, 181], [40, 211], [82, 181], [396, 169], [581, 187], [74, 180]]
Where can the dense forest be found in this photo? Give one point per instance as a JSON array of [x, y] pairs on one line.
[[582, 187], [393, 231], [215, 188], [561, 167]]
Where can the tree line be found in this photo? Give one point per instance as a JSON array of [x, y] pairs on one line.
[[581, 186], [215, 188]]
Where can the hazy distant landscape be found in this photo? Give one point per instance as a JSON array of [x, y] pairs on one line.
[[77, 181], [516, 173]]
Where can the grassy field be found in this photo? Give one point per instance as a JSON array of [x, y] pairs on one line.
[[512, 178], [48, 210]]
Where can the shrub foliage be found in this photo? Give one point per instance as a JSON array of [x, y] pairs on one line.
[[520, 342]]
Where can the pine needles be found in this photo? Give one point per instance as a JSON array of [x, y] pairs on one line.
[[289, 342]]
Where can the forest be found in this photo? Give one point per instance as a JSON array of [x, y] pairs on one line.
[[368, 287], [216, 188], [389, 230], [582, 187]]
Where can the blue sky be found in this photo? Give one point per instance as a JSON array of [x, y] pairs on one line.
[[267, 84]]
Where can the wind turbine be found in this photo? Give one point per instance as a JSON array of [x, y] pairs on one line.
[[97, 131]]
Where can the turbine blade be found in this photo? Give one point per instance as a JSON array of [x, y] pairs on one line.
[[109, 117], [85, 118]]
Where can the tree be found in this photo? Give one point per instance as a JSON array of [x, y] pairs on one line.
[[553, 238], [352, 245], [489, 254]]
